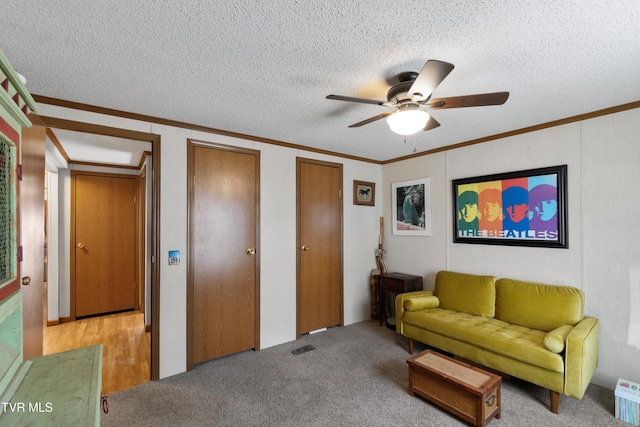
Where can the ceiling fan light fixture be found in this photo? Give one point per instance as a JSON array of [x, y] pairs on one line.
[[408, 122]]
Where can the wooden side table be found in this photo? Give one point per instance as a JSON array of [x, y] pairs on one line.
[[396, 283]]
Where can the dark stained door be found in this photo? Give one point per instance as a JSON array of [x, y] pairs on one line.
[[103, 243], [223, 288], [319, 252]]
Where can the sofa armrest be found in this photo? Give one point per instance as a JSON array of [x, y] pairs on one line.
[[400, 299], [581, 356]]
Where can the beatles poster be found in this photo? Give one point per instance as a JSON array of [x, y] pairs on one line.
[[525, 208]]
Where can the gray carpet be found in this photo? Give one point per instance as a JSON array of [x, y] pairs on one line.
[[355, 376]]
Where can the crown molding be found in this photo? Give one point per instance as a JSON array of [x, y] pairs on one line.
[[184, 125]]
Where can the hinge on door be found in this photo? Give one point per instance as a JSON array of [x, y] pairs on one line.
[[20, 253], [340, 193], [153, 259], [19, 172]]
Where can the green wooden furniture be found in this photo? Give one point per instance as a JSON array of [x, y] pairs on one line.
[[58, 389], [15, 104]]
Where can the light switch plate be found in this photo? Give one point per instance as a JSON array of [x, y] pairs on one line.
[[174, 257]]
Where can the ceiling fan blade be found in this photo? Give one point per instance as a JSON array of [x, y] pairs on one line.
[[431, 123], [495, 98], [372, 119], [431, 75], [360, 100]]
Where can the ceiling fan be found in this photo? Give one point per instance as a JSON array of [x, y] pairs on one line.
[[413, 92]]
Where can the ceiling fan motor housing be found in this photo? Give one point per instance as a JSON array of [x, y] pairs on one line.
[[400, 91]]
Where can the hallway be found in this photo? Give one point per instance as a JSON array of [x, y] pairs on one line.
[[126, 346]]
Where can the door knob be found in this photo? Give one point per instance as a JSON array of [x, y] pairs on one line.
[[305, 247], [26, 280], [81, 245], [251, 251]]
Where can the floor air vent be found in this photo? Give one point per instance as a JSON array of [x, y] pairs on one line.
[[301, 350]]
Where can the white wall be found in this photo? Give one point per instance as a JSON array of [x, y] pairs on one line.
[[603, 258], [610, 234], [53, 245], [64, 242], [277, 239]]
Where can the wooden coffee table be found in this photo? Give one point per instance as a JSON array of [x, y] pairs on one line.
[[464, 390]]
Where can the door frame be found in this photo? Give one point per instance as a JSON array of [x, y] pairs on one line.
[[138, 261], [191, 146], [141, 250], [339, 166], [154, 139]]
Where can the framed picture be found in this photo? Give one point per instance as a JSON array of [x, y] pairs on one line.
[[364, 193], [525, 208], [411, 207]]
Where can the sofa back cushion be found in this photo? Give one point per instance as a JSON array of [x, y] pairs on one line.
[[467, 293], [538, 306]]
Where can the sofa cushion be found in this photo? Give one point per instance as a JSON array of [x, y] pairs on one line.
[[516, 342], [554, 340], [421, 302], [467, 293], [538, 306]]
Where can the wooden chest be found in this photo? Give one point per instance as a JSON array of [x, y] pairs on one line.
[[464, 390]]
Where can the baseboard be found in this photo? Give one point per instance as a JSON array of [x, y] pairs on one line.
[[59, 321]]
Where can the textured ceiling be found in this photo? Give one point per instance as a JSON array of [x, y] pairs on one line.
[[92, 148], [265, 68]]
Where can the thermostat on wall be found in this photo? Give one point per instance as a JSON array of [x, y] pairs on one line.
[[174, 257]]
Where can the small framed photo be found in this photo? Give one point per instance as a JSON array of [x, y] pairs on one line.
[[364, 193]]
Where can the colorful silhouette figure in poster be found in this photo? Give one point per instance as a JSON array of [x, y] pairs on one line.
[[515, 202], [544, 209], [468, 211], [490, 202]]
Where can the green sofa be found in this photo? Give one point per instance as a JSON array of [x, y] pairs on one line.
[[527, 330]]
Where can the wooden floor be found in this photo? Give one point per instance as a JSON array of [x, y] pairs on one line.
[[126, 346]]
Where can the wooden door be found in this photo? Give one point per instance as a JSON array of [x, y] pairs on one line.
[[319, 205], [223, 280], [103, 242], [32, 239]]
